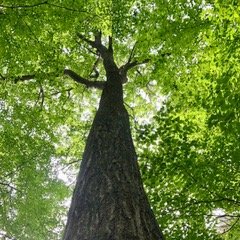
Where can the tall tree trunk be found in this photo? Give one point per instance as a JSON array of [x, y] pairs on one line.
[[109, 201]]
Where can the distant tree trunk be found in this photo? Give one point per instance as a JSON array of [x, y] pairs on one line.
[[109, 201]]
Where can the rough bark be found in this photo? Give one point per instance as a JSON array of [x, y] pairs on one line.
[[109, 202]]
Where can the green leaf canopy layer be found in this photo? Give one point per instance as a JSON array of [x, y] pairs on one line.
[[188, 152]]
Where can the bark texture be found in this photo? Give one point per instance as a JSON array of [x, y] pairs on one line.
[[109, 202]]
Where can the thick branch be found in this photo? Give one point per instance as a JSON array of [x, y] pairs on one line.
[[87, 83]]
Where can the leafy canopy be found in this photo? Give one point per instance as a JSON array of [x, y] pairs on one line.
[[183, 105]]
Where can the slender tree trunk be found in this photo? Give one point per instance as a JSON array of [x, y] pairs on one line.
[[109, 201]]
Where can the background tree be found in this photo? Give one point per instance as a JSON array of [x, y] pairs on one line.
[[189, 152]]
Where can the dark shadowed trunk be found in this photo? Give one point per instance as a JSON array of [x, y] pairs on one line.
[[109, 201]]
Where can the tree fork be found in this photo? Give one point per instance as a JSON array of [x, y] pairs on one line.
[[109, 201]]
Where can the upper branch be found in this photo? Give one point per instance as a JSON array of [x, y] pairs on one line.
[[110, 44], [87, 83], [124, 69], [105, 53], [132, 53], [97, 43], [133, 64]]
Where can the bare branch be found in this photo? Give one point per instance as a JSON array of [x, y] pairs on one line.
[[87, 83]]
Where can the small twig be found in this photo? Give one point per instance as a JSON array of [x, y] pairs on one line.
[[8, 185], [232, 226], [42, 3], [23, 6], [132, 52], [136, 63], [75, 161], [65, 90]]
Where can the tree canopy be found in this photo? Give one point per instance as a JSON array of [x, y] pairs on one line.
[[183, 101]]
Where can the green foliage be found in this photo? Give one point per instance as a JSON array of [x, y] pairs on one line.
[[188, 152]]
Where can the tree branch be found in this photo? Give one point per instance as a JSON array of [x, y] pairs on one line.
[[106, 53], [124, 69], [133, 64], [132, 53], [24, 6], [24, 78], [42, 3], [41, 95], [20, 78], [87, 83], [97, 43], [8, 185], [110, 44], [91, 43], [232, 226], [95, 73]]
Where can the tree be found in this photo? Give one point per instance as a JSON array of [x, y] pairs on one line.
[[188, 143], [109, 201]]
